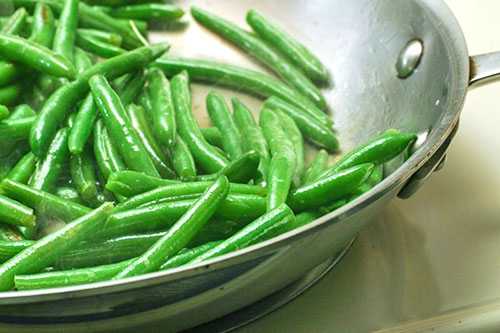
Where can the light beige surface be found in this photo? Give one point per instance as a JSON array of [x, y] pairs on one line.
[[433, 260]]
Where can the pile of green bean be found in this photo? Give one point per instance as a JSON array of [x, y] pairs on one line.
[[105, 171]]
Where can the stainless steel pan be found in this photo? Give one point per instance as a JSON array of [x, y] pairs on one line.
[[361, 41]]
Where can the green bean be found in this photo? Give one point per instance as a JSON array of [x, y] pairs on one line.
[[140, 124], [254, 139], [48, 170], [55, 109], [333, 206], [313, 130], [9, 235], [4, 112], [104, 164], [98, 273], [83, 175], [117, 3], [216, 230], [64, 39], [103, 36], [317, 166], [378, 150], [148, 12], [293, 132], [9, 72], [23, 169], [92, 18], [35, 56], [15, 213], [223, 120], [181, 233], [328, 189], [283, 161], [22, 111], [133, 87], [68, 193], [162, 108], [209, 159], [182, 160], [241, 79], [158, 216], [82, 60], [172, 192], [376, 177], [241, 170], [10, 94], [289, 46], [112, 154], [17, 129], [248, 234], [8, 249], [212, 135], [83, 125], [118, 124], [45, 251], [42, 202], [16, 22], [129, 183], [263, 53], [289, 225], [98, 47]]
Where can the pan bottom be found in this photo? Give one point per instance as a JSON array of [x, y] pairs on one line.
[[273, 302]]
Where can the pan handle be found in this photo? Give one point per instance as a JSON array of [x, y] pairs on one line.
[[483, 69]]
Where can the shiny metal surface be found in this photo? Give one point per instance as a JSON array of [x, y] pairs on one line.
[[409, 58], [359, 41]]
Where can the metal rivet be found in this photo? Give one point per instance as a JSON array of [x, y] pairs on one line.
[[409, 58]]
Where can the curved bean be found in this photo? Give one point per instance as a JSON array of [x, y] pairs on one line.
[[182, 160]]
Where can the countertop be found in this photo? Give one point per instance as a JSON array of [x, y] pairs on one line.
[[430, 263]]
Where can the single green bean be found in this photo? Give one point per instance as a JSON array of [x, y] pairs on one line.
[[15, 213], [248, 234], [48, 170], [104, 164], [293, 132], [182, 160], [17, 129], [376, 177], [212, 135], [119, 126], [327, 189], [83, 125], [288, 225], [16, 22], [83, 175], [148, 12], [132, 88], [186, 255], [181, 233], [103, 36], [45, 251], [8, 249], [112, 154], [82, 60], [20, 112], [55, 109], [223, 120], [10, 94], [117, 3], [98, 47], [158, 216], [241, 170], [317, 166], [162, 108], [289, 46], [23, 169], [129, 183], [140, 125], [209, 159], [64, 39], [68, 193], [313, 130], [4, 112], [44, 204], [263, 53], [283, 161]]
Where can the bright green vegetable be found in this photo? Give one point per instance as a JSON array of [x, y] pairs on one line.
[[162, 108], [44, 26], [148, 12], [129, 183], [68, 193], [4, 112], [15, 213], [241, 79], [10, 235], [45, 251], [83, 125], [223, 120], [64, 39], [292, 131], [260, 51], [209, 159], [44, 204], [16, 22], [241, 170], [98, 47], [317, 166], [181, 233], [182, 160], [48, 170], [249, 234], [186, 255], [119, 127], [8, 249], [140, 125], [10, 94], [83, 175], [102, 149], [288, 225], [212, 135], [17, 129], [132, 88], [289, 46], [103, 36], [23, 169]]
